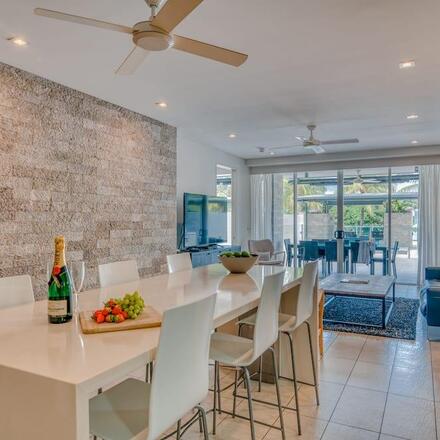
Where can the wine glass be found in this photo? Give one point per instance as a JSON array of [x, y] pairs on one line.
[[77, 272]]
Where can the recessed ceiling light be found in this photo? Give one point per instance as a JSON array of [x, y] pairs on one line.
[[232, 135], [407, 64], [18, 41], [162, 104], [414, 142], [413, 116], [272, 153]]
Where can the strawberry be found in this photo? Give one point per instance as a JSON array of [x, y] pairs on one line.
[[100, 318], [106, 310], [124, 314], [121, 317], [116, 310], [109, 318]]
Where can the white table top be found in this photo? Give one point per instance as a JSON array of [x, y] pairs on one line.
[[61, 352]]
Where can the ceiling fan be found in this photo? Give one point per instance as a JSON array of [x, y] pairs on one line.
[[155, 34], [316, 144], [361, 180]]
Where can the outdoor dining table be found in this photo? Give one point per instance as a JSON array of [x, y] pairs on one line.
[[378, 247]]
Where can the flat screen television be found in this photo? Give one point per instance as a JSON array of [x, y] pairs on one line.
[[205, 220]]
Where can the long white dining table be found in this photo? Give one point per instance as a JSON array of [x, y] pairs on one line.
[[49, 372]]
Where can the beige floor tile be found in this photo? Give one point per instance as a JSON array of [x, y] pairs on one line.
[[409, 418], [312, 429], [268, 392], [265, 413], [389, 437], [336, 370], [371, 376], [412, 354], [436, 383], [341, 432], [379, 350], [360, 408], [237, 429], [346, 346], [412, 382], [329, 394]]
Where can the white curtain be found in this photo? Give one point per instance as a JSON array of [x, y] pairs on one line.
[[429, 218], [261, 206]]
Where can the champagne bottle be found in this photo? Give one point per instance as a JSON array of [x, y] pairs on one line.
[[60, 287]]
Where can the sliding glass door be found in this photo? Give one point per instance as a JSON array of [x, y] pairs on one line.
[[310, 212]]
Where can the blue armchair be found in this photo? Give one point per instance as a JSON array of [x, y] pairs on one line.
[[430, 301]]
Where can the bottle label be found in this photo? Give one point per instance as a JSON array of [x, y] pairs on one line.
[[57, 308]]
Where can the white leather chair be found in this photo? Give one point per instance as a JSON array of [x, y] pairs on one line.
[[179, 262], [15, 291], [137, 410], [118, 273], [239, 352], [288, 324]]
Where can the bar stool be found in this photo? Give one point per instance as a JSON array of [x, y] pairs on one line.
[[15, 291], [288, 324], [134, 409], [118, 272], [236, 351], [179, 262]]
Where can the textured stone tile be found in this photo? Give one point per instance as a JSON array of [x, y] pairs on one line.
[[71, 164]]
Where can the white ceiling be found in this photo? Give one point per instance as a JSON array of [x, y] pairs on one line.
[[334, 63]]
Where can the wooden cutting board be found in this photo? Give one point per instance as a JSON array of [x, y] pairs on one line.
[[147, 319]]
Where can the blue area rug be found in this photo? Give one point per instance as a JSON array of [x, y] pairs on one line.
[[402, 323]]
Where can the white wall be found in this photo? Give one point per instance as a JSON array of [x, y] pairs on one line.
[[196, 173]]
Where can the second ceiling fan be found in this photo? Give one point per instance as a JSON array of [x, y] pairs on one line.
[[155, 34], [316, 144]]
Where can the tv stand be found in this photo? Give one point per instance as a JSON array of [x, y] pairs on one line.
[[204, 255]]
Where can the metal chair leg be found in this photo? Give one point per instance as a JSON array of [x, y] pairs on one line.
[[260, 374], [295, 384], [277, 386], [204, 423], [214, 413], [234, 402], [313, 363], [219, 391], [178, 430], [249, 396]]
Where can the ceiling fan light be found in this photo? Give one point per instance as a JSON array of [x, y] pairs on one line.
[[18, 41], [407, 64]]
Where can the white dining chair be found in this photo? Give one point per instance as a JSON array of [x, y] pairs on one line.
[[236, 351], [15, 291], [118, 272], [179, 262], [137, 410], [288, 324]]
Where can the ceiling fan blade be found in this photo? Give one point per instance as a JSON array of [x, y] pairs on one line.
[[82, 20], [340, 141], [173, 12], [318, 149], [286, 147], [133, 60], [205, 50]]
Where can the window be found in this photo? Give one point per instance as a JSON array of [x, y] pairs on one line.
[[224, 184]]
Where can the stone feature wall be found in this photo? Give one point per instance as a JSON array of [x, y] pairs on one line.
[[71, 164]]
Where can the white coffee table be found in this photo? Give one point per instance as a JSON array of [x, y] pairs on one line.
[[372, 287]]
